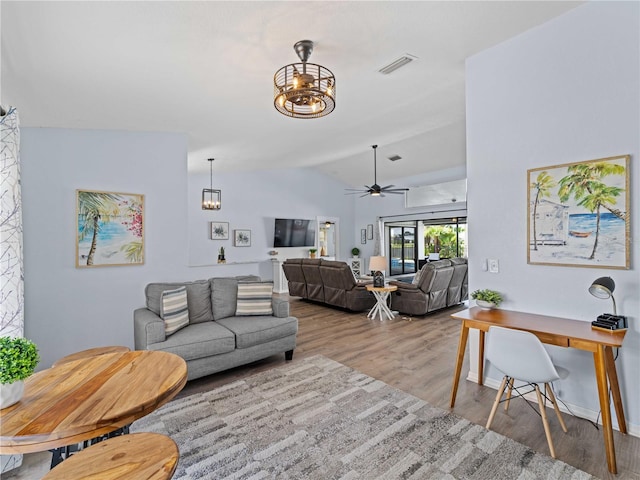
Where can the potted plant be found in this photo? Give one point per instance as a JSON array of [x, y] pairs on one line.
[[355, 251], [486, 298], [312, 252], [18, 359], [221, 258]]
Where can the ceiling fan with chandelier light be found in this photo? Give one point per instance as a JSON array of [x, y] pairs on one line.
[[376, 190]]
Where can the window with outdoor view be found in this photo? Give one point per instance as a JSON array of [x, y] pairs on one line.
[[447, 238]]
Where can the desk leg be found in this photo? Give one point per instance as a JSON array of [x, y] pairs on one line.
[[599, 361], [612, 375], [481, 357], [462, 345]]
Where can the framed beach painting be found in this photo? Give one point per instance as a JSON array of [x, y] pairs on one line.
[[242, 238], [219, 230], [109, 228], [578, 214]]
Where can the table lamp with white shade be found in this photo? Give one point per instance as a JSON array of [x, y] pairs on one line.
[[377, 265]]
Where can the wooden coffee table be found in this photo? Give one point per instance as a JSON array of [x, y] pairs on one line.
[[89, 397], [92, 352]]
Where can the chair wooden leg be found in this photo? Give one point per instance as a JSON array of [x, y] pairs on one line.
[[552, 397], [545, 421], [506, 403], [503, 385]]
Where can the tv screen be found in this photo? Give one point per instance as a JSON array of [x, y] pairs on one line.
[[294, 233]]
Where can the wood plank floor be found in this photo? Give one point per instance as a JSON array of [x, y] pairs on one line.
[[417, 355]]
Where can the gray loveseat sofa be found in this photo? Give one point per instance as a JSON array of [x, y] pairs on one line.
[[215, 339]]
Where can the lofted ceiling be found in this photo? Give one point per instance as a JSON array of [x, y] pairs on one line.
[[206, 69]]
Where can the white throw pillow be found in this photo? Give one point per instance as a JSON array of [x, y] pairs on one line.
[[254, 298], [174, 310]]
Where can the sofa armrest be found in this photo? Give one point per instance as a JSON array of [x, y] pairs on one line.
[[280, 307], [404, 286], [148, 328]]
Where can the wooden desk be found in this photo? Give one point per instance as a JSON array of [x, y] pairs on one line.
[[89, 397], [381, 294], [554, 331]]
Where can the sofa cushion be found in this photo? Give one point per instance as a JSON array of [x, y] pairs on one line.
[[258, 330], [254, 298], [198, 298], [224, 295], [198, 341], [173, 310]]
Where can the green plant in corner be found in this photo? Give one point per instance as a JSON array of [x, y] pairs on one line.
[[355, 251], [487, 295], [18, 359], [313, 250]]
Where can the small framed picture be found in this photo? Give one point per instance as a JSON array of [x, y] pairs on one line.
[[363, 236], [219, 230], [370, 232], [242, 238]]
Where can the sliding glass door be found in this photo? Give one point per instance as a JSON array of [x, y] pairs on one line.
[[402, 248]]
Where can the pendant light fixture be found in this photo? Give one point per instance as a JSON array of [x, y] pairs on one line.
[[211, 199], [304, 90]]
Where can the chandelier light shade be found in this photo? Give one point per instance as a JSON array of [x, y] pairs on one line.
[[304, 90], [211, 198]]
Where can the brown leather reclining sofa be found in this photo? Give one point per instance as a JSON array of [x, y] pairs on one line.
[[437, 285], [328, 282]]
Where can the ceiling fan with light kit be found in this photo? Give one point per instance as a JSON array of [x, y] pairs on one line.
[[375, 190]]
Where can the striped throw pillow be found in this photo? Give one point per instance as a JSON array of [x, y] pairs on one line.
[[173, 310], [254, 298]]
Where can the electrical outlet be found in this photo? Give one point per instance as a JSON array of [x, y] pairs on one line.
[[494, 266]]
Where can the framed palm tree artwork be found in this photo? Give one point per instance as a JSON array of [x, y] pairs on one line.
[[109, 229], [578, 214]]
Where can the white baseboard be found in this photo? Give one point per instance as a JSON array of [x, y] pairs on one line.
[[576, 410]]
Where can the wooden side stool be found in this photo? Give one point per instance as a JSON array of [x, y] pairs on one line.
[[92, 352], [137, 456]]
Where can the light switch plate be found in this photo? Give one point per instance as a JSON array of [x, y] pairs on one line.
[[494, 266]]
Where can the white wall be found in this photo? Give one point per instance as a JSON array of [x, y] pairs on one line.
[[563, 92], [69, 309], [253, 200]]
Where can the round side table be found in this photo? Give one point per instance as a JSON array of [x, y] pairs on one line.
[[137, 456]]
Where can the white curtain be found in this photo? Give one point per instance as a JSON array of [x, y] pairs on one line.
[[11, 272], [378, 245]]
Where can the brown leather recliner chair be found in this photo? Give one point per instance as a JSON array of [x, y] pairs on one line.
[[293, 271], [341, 288], [428, 292], [311, 271]]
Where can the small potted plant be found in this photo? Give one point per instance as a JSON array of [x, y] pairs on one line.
[[355, 251], [18, 359], [486, 298], [221, 258], [312, 252]]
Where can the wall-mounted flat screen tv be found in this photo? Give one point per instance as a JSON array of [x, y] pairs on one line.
[[290, 232]]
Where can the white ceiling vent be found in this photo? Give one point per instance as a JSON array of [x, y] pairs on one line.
[[396, 64], [394, 158]]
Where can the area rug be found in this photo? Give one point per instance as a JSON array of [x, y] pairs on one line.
[[315, 418]]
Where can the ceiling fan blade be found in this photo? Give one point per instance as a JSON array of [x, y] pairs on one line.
[[387, 186], [365, 195], [356, 193], [398, 190], [354, 189]]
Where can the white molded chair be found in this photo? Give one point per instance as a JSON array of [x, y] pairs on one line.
[[521, 356]]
